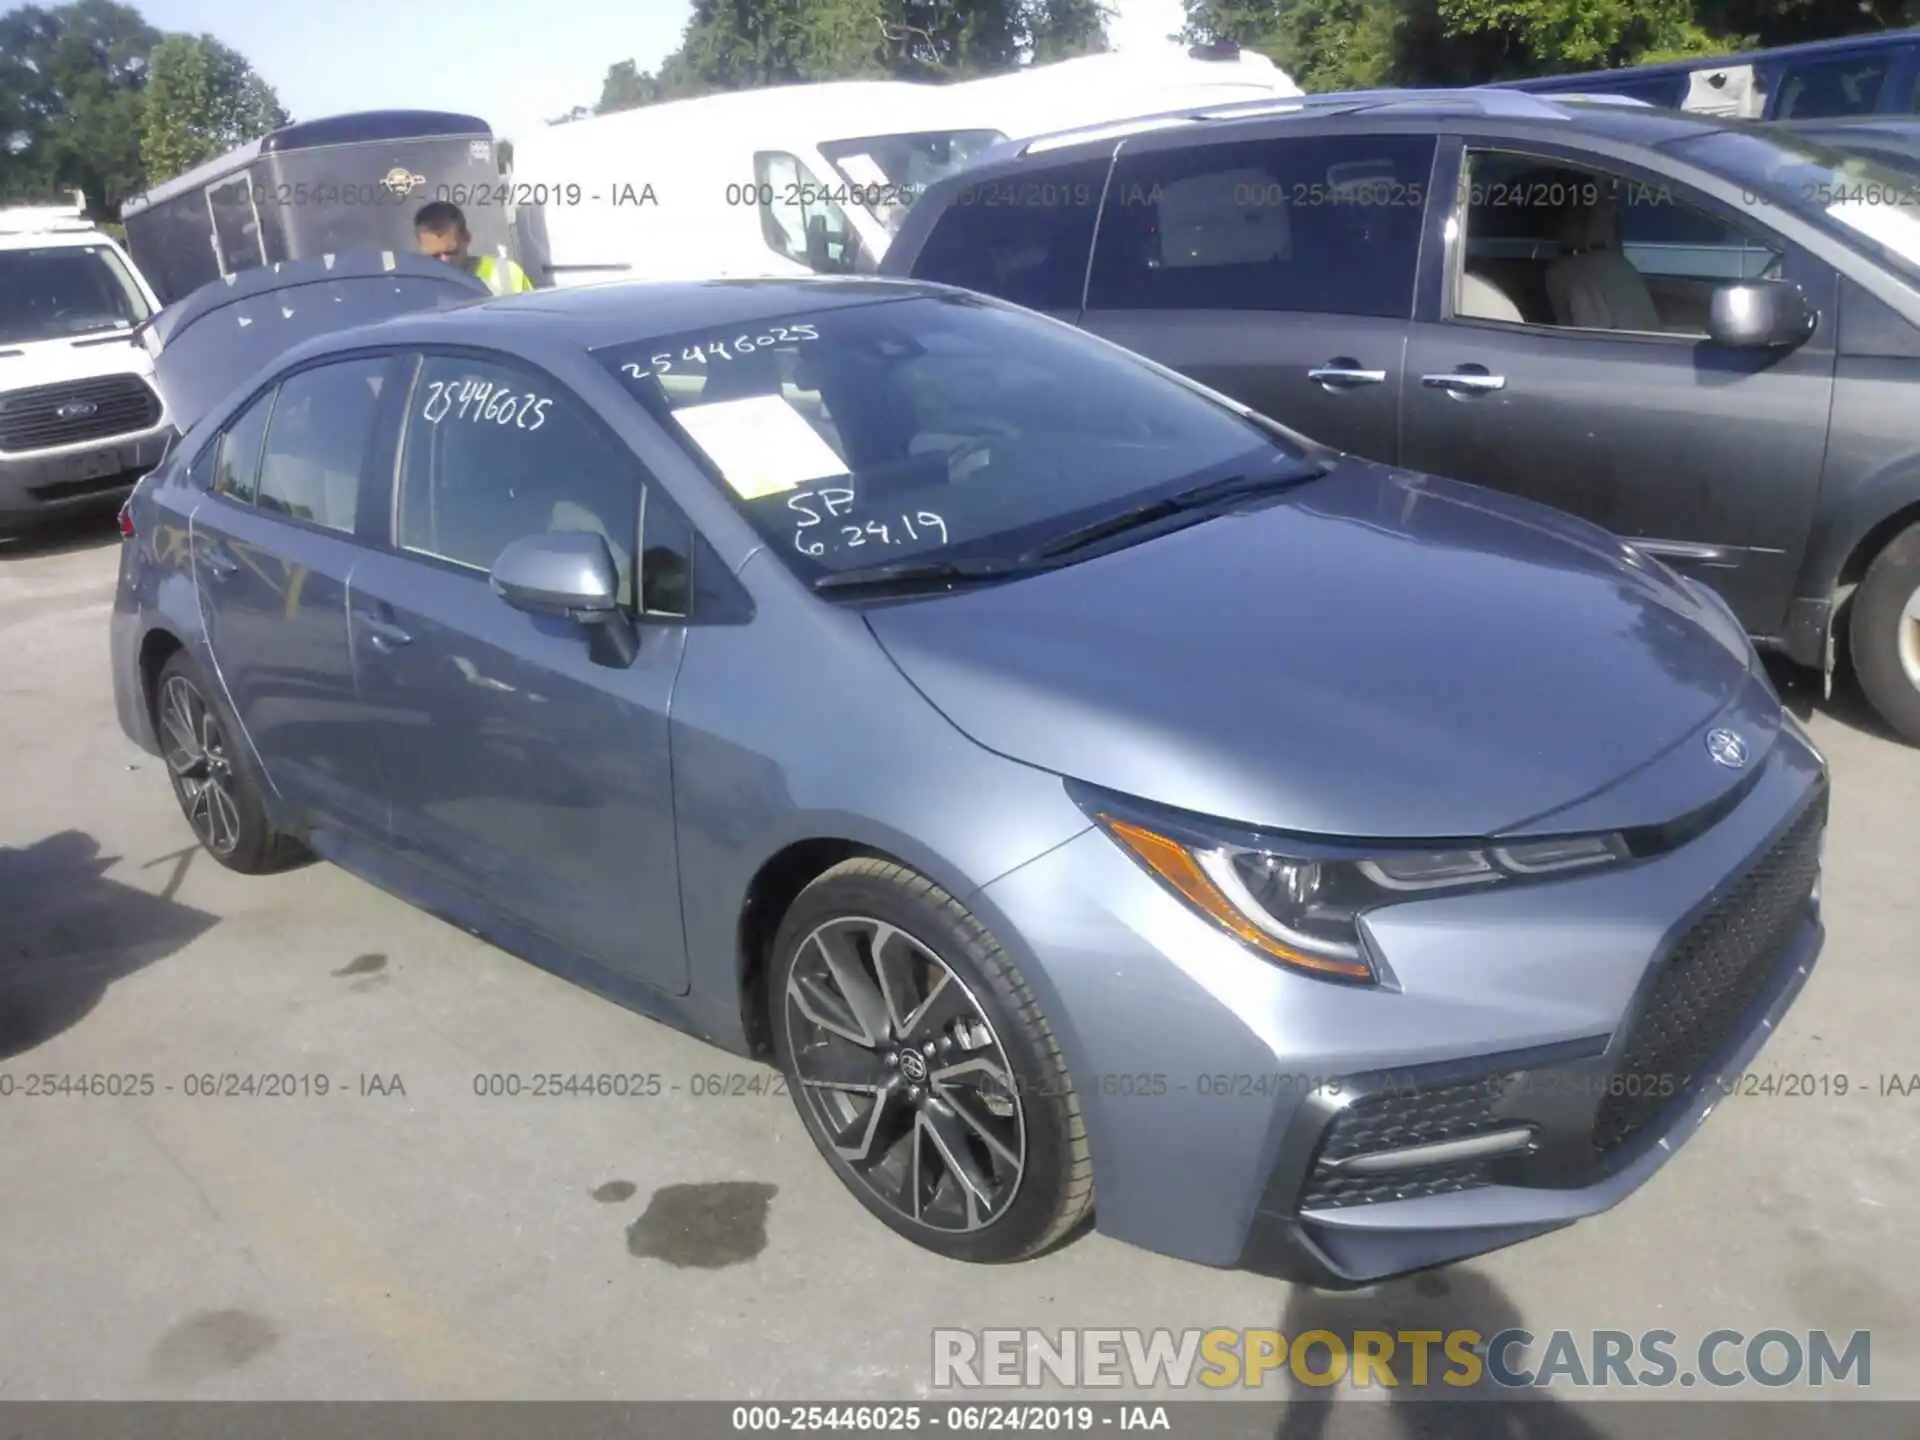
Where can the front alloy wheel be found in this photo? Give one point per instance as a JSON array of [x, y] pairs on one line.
[[899, 1064], [923, 1067]]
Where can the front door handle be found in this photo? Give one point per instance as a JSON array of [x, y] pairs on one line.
[[1343, 373], [1465, 381], [220, 565], [384, 634]]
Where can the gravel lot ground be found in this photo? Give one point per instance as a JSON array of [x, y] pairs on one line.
[[426, 1242]]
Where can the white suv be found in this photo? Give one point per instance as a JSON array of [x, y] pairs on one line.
[[80, 420]]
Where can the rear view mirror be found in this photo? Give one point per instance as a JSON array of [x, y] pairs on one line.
[[569, 575], [1760, 315]]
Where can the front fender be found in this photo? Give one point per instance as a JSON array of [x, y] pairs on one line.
[[1874, 501]]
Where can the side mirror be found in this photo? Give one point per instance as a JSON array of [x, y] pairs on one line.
[[569, 575], [1760, 315], [827, 249]]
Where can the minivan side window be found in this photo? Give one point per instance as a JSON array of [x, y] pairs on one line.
[[494, 452], [318, 440], [1023, 237], [238, 468], [1548, 242], [800, 220], [1844, 85], [1324, 224]]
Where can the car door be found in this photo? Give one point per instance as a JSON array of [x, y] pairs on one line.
[[519, 767], [1279, 271], [274, 552], [1561, 355], [237, 239]]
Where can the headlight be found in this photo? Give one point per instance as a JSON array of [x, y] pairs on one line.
[[1301, 905]]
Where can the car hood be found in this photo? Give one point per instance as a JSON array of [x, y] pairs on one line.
[[79, 357], [1378, 654]]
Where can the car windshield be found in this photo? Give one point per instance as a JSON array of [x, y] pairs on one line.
[[1835, 185], [887, 174], [932, 427], [65, 290]]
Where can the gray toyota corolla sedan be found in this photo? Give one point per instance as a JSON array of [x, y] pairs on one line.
[[1094, 798]]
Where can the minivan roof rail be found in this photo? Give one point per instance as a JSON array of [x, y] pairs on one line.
[[1474, 99]]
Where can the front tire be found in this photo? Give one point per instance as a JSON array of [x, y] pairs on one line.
[[1885, 634], [923, 1068], [218, 791]]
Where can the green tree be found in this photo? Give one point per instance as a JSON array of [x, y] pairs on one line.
[[72, 82], [1062, 29], [1559, 35], [747, 44], [202, 100]]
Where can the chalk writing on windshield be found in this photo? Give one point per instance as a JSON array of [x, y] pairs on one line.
[[706, 352], [483, 402], [820, 509]]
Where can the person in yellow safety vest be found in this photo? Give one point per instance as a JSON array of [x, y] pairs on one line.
[[441, 231]]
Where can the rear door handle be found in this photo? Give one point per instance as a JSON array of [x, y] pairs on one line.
[[383, 634], [1465, 382], [219, 564], [1344, 374]]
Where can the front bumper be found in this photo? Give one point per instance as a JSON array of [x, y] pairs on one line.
[[1549, 1047], [50, 482]]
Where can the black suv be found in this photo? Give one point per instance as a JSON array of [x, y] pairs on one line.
[[1703, 334]]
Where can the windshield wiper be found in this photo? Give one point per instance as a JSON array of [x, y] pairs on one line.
[[1198, 497], [916, 572]]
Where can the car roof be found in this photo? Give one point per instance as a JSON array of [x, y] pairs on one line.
[[1444, 111], [620, 312]]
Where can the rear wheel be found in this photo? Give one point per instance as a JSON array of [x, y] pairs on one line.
[[217, 789], [923, 1068], [1885, 634]]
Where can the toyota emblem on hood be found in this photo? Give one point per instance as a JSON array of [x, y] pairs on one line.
[[1727, 748]]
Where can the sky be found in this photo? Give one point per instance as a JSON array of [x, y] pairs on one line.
[[513, 63]]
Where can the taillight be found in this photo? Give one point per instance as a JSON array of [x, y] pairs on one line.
[[126, 520]]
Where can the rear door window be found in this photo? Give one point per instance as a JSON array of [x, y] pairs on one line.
[[1323, 224], [1024, 237], [237, 471], [318, 441]]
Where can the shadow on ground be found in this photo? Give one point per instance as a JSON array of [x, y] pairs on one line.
[[90, 529], [1442, 1301], [1801, 692], [70, 932]]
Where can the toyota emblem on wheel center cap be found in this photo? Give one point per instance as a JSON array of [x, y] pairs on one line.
[[1727, 748]]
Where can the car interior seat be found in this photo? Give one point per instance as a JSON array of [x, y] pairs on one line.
[[1593, 286], [1481, 299]]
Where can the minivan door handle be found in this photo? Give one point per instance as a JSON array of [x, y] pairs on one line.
[[220, 565], [1466, 381], [1345, 373]]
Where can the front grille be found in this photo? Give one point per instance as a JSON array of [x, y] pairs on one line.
[[30, 419], [1709, 983], [1394, 1119]]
